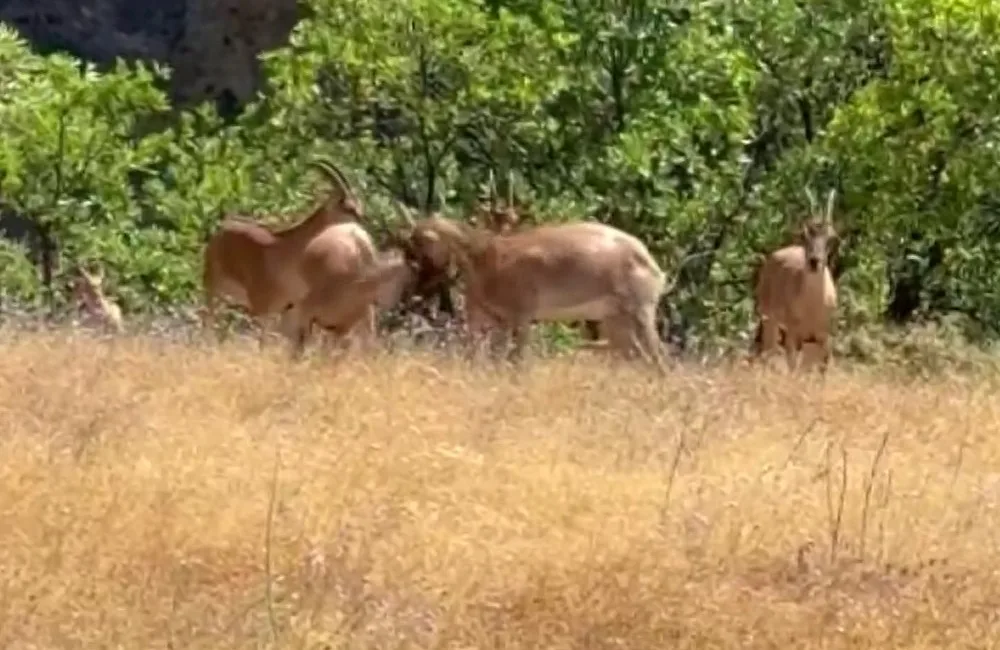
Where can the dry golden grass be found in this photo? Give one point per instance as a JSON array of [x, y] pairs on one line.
[[420, 503]]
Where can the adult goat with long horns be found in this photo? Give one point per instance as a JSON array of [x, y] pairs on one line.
[[266, 270], [501, 217], [562, 272]]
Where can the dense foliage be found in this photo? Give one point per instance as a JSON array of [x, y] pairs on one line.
[[697, 126]]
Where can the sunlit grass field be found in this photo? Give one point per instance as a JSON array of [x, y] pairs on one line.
[[156, 495]]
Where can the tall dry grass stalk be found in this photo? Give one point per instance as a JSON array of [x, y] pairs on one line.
[[160, 496]]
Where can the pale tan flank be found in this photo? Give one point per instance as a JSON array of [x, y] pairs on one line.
[[435, 279], [564, 272], [795, 295], [265, 270], [98, 309], [342, 303], [502, 219]]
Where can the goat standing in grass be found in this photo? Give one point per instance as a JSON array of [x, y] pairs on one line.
[[97, 309], [266, 270], [436, 276], [794, 293], [576, 271], [343, 302]]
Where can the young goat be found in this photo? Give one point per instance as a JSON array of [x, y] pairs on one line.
[[96, 308], [794, 293], [266, 270]]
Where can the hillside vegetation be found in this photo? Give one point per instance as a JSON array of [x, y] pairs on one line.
[[697, 126], [156, 495]]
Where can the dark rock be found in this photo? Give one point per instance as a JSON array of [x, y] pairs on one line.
[[211, 45]]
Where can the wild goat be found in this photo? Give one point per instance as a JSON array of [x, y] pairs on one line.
[[794, 293], [340, 304], [267, 270], [97, 309], [576, 271], [504, 219], [434, 282], [500, 218]]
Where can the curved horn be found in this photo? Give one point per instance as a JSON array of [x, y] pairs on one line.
[[829, 205], [405, 213], [344, 183], [442, 197], [333, 173], [323, 166]]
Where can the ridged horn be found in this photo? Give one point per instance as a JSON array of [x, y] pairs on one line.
[[405, 213], [333, 173]]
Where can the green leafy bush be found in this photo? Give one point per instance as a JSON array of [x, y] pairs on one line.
[[696, 126]]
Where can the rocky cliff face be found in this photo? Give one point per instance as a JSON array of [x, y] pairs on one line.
[[212, 45]]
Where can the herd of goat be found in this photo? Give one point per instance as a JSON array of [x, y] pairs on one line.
[[326, 271]]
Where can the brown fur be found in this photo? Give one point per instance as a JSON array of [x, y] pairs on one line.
[[265, 270], [435, 279], [576, 271], [494, 216], [794, 292], [339, 305]]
